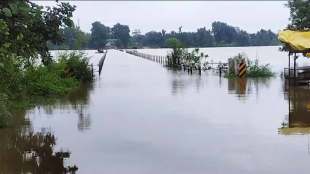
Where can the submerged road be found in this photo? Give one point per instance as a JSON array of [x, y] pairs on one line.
[[141, 118]]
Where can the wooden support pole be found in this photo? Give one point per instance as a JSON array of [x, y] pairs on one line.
[[92, 70], [295, 69], [289, 65]]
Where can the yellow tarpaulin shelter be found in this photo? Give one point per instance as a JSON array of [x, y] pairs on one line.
[[298, 41]]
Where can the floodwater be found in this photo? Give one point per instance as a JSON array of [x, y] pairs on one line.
[[140, 117]]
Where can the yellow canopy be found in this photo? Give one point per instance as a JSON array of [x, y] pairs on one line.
[[299, 41]]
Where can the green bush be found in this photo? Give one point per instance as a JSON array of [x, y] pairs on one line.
[[57, 78], [43, 81], [22, 85], [76, 65], [256, 70], [10, 73], [180, 55]]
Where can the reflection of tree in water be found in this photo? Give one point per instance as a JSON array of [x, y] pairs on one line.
[[76, 100], [243, 87], [180, 81], [23, 151], [79, 101]]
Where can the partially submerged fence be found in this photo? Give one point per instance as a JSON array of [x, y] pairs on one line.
[[159, 59], [100, 64], [221, 67]]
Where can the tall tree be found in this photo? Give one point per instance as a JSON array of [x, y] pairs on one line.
[[242, 38], [121, 32], [26, 28], [175, 57], [223, 33], [137, 39], [300, 14], [153, 39], [204, 37], [264, 38], [99, 35], [74, 38]]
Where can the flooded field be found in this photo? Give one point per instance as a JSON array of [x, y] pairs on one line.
[[140, 117]]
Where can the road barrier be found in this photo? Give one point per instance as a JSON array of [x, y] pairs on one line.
[[242, 69]]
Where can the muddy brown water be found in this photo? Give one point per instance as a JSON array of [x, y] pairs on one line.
[[139, 118]]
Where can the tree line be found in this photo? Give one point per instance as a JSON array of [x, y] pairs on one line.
[[221, 34]]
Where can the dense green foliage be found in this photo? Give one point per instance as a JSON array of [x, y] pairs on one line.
[[26, 68], [256, 70], [299, 17], [174, 58], [121, 33], [39, 80], [26, 28], [99, 35], [299, 14], [74, 39], [57, 79], [76, 65], [45, 81]]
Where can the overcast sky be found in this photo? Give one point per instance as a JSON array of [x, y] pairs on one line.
[[156, 15]]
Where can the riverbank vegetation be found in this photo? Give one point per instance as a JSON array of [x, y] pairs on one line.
[[27, 69], [56, 79], [299, 15], [118, 36]]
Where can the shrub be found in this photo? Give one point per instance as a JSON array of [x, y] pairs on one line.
[[10, 73], [256, 70], [39, 80], [76, 65], [180, 55], [43, 81], [59, 77]]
